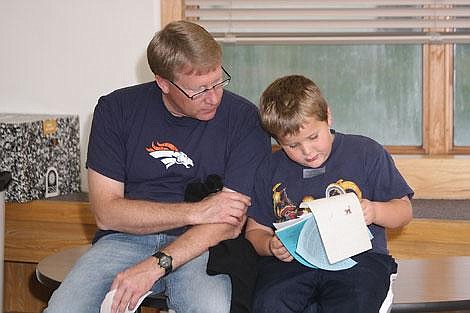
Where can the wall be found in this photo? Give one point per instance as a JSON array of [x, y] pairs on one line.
[[59, 56]]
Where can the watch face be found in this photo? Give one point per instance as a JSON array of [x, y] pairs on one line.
[[165, 261]]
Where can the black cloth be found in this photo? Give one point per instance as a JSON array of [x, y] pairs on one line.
[[234, 257], [238, 259]]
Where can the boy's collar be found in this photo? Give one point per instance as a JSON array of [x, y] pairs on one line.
[[312, 172]]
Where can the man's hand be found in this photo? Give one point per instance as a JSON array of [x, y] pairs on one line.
[[133, 283], [278, 250], [236, 230], [227, 207]]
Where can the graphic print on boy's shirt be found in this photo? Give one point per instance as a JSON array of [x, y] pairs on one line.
[[169, 154], [285, 209]]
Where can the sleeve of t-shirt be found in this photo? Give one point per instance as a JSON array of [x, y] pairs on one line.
[[261, 209], [106, 150], [249, 145], [385, 178]]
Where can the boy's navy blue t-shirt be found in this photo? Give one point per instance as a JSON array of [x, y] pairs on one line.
[[353, 158], [135, 140]]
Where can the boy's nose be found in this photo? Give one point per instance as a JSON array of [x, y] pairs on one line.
[[306, 150]]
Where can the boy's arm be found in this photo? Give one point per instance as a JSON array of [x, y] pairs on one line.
[[265, 241], [259, 236], [390, 214]]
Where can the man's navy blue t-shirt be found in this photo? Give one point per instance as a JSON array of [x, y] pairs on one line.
[[135, 140], [355, 159]]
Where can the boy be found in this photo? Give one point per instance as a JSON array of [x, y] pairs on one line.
[[314, 159]]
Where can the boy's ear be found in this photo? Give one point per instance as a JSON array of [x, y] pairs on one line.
[[329, 117], [163, 84]]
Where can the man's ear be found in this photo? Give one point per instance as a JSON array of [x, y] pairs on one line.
[[163, 83]]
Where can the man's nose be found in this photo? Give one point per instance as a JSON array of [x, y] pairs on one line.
[[212, 96]]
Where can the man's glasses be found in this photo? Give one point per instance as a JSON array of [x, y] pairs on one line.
[[202, 93]]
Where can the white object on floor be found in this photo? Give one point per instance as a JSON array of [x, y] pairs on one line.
[[387, 304]]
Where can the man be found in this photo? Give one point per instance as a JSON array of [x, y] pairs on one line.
[[147, 143]]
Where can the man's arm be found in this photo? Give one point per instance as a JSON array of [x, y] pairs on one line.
[[113, 212], [132, 283]]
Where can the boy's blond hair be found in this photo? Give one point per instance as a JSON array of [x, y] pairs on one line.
[[183, 46], [287, 102]]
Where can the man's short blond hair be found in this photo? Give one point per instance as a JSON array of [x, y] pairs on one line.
[[183, 47], [288, 102]]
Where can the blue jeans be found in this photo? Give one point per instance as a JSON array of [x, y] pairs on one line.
[[189, 288]]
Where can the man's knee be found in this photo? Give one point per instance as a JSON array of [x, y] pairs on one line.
[[62, 301]]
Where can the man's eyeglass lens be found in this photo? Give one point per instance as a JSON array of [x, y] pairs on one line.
[[201, 93]]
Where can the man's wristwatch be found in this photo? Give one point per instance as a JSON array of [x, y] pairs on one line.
[[164, 261]]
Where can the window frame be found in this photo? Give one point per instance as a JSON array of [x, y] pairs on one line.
[[437, 169], [437, 106]]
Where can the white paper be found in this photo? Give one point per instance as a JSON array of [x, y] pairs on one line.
[[108, 301], [341, 225], [310, 248]]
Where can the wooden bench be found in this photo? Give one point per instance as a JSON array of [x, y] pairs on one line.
[[422, 285], [37, 229], [426, 238]]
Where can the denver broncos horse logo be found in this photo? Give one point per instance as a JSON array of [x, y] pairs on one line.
[[169, 154]]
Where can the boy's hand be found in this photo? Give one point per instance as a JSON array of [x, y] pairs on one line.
[[278, 250], [368, 209]]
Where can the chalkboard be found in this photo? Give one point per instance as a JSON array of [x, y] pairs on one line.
[[373, 90], [462, 96]]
